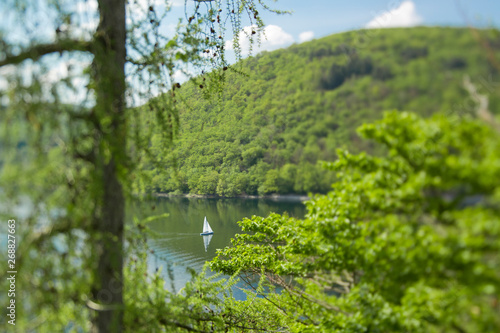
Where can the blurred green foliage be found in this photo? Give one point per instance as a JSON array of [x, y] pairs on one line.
[[408, 241], [265, 133]]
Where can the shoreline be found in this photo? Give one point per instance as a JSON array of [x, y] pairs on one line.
[[275, 197]]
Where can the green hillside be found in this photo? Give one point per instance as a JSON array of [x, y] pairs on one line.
[[296, 106]]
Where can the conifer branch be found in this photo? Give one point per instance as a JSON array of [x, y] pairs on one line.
[[35, 52]]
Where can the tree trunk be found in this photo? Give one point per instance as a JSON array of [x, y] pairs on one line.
[[110, 148]]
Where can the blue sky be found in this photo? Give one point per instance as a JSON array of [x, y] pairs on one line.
[[319, 18], [327, 17], [310, 19]]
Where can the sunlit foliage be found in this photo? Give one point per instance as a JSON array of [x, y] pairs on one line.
[[405, 242]]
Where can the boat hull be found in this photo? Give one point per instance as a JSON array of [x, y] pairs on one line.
[[206, 233]]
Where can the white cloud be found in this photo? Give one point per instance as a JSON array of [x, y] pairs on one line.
[[305, 36], [276, 36], [273, 37], [404, 15]]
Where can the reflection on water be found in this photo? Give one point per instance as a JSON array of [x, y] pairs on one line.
[[178, 244], [206, 241]]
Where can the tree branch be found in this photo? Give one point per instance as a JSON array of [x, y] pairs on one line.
[[37, 51], [188, 328], [278, 280]]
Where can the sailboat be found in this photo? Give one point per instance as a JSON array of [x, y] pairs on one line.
[[206, 228], [206, 241]]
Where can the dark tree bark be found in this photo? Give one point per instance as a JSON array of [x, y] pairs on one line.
[[109, 78]]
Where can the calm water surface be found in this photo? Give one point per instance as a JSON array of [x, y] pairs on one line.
[[178, 245]]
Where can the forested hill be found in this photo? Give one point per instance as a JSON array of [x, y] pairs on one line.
[[298, 105]]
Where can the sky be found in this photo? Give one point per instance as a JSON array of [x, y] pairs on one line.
[[318, 18], [309, 19]]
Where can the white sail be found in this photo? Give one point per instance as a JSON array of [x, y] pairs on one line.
[[206, 227], [206, 241]]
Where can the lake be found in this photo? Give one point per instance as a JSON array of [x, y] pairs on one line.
[[178, 243]]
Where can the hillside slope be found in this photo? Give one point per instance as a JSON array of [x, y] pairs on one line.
[[297, 105]]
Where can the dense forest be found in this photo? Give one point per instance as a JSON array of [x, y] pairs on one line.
[[281, 112]]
